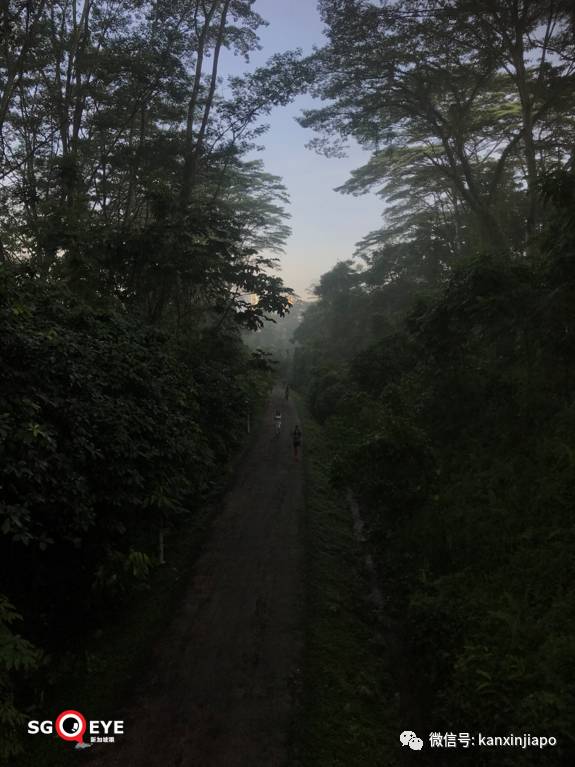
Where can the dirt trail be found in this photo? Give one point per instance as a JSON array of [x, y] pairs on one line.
[[222, 693]]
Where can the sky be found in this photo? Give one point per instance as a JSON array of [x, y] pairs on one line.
[[325, 224]]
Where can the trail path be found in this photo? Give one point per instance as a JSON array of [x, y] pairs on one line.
[[222, 692]]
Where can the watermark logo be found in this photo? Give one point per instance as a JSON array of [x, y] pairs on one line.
[[71, 726], [409, 738], [478, 740]]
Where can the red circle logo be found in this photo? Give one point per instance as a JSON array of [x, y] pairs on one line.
[[71, 725]]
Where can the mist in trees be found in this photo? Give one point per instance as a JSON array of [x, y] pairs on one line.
[[138, 244], [440, 356], [122, 159], [138, 240]]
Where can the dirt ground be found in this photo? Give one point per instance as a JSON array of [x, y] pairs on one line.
[[222, 693]]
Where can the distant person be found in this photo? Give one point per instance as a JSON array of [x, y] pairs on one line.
[[287, 391], [277, 422], [296, 441]]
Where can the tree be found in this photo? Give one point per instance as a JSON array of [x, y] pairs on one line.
[[479, 99], [137, 241], [123, 168]]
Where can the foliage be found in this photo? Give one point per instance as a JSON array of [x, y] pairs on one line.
[[463, 107], [17, 656], [441, 360], [137, 241], [455, 431], [349, 714], [109, 431], [122, 161], [99, 421]]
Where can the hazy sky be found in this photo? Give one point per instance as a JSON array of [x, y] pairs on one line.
[[326, 225]]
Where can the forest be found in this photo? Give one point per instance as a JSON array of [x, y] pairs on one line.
[[133, 227], [440, 358], [139, 293]]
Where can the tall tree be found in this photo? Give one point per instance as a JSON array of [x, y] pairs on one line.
[[480, 94], [122, 165]]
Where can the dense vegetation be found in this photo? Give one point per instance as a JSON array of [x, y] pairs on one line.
[[133, 225], [135, 230], [348, 708], [441, 361]]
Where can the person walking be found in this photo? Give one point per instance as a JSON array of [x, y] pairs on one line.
[[296, 441], [287, 392], [277, 423]]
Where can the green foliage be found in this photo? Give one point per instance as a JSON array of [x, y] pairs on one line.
[[17, 658], [442, 366], [129, 178], [461, 106], [109, 431], [100, 427], [135, 242], [120, 573], [349, 714], [455, 431]]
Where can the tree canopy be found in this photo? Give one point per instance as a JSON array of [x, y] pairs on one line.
[[138, 238], [439, 358]]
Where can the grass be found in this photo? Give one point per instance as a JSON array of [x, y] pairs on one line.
[[349, 713]]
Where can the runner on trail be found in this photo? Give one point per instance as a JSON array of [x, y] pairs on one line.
[[278, 422], [296, 441]]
